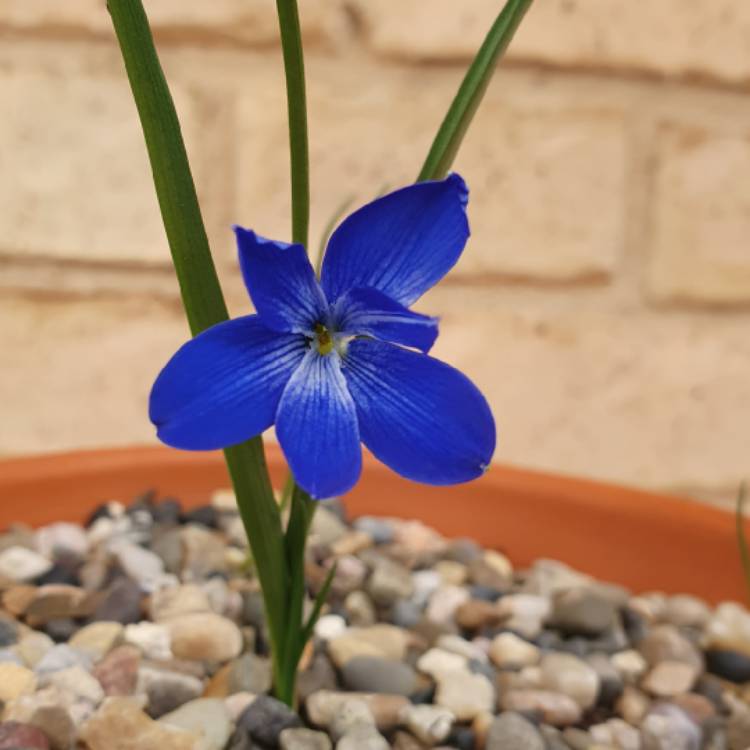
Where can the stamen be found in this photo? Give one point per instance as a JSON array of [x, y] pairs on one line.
[[323, 339]]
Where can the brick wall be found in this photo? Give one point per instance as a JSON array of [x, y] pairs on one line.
[[603, 303]]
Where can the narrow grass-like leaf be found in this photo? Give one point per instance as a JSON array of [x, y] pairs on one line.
[[199, 286], [320, 600], [301, 513], [742, 544], [294, 69], [461, 112]]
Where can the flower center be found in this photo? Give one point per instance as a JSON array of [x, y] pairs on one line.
[[323, 339]]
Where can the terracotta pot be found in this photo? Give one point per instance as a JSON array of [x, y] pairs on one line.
[[642, 540]]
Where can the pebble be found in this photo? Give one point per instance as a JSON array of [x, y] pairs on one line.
[[444, 602], [359, 609], [304, 739], [379, 529], [729, 628], [475, 614], [98, 638], [569, 675], [329, 627], [731, 665], [471, 650], [426, 583], [385, 641], [686, 611], [581, 611], [667, 643], [265, 718], [555, 708], [204, 636], [166, 689], [349, 715], [17, 736], [15, 681], [22, 565], [117, 672], [524, 613], [616, 733], [250, 674], [57, 601], [429, 724], [511, 731], [738, 729], [206, 717], [372, 674], [121, 725], [168, 603], [141, 565], [60, 538], [60, 657], [464, 694], [630, 664], [670, 678], [363, 738], [122, 603], [78, 683], [57, 724], [322, 706], [153, 640], [667, 727], [508, 650], [389, 582]]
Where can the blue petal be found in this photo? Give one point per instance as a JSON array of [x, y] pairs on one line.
[[370, 312], [317, 427], [419, 416], [224, 386], [281, 283], [401, 244]]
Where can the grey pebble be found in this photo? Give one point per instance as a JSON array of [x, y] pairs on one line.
[[371, 674], [265, 718], [511, 731]]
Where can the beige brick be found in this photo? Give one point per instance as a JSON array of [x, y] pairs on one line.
[[238, 21], [705, 37], [592, 390], [77, 184], [701, 218], [547, 184], [81, 370]]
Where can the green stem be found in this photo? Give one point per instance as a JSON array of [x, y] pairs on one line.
[[294, 68], [199, 285], [300, 518], [461, 112]]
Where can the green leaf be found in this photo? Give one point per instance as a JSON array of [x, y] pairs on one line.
[[457, 120], [294, 69], [301, 514], [742, 544], [320, 600], [199, 285]]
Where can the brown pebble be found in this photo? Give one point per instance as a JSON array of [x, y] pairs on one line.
[[696, 706], [476, 614], [218, 685], [14, 734], [17, 599], [117, 672], [405, 741]]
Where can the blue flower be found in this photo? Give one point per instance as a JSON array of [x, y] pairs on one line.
[[340, 361]]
